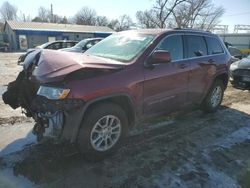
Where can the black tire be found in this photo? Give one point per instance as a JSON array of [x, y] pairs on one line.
[[208, 105], [100, 113]]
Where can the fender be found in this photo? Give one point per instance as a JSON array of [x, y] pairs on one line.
[[76, 118], [219, 74]]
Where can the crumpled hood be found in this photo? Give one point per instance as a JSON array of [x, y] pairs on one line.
[[55, 65]]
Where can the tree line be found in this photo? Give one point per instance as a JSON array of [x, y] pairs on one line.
[[201, 14]]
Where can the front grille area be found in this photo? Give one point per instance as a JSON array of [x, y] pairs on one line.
[[242, 72], [44, 105]]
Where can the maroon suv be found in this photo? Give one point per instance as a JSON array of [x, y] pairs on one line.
[[92, 99]]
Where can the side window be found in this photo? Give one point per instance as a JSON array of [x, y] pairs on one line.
[[54, 46], [67, 44], [214, 46], [96, 41], [64, 44], [172, 44], [196, 46], [89, 45], [71, 44]]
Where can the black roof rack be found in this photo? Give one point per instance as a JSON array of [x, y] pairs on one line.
[[191, 29]]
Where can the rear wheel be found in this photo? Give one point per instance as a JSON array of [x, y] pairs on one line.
[[102, 130], [214, 97]]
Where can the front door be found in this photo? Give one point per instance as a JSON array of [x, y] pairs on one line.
[[166, 84]]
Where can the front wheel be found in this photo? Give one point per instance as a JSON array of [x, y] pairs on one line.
[[214, 97], [102, 130]]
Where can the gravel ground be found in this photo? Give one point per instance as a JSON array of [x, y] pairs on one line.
[[189, 149]]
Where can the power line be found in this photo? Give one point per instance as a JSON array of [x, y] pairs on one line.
[[237, 14]]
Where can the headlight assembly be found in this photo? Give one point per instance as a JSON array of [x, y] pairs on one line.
[[53, 92]]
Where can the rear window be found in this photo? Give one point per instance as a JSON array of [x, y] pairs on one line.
[[214, 46], [196, 46]]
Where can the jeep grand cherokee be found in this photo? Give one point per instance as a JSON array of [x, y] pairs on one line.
[[92, 99]]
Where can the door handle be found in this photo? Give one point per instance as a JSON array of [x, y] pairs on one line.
[[183, 65], [209, 62]]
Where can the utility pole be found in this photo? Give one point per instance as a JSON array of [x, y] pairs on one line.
[[51, 13]]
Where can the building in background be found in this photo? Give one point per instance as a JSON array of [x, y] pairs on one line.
[[24, 35], [238, 40]]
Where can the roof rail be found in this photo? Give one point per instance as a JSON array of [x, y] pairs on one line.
[[191, 29]]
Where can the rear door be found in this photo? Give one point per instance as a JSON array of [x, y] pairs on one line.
[[165, 85], [202, 66]]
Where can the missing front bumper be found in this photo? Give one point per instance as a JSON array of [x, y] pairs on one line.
[[59, 119]]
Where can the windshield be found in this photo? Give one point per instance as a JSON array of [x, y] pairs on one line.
[[122, 47], [80, 44]]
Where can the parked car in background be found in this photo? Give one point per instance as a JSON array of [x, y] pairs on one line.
[[240, 73], [55, 45], [83, 45], [93, 99], [4, 46], [234, 52]]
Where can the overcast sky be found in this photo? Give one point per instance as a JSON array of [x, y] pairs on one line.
[[237, 11]]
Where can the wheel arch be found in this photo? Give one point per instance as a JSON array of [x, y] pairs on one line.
[[224, 77], [121, 99]]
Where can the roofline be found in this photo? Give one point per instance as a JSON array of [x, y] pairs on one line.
[[160, 31], [233, 34], [61, 31], [58, 30]]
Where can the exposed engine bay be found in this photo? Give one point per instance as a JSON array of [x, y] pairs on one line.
[[46, 113], [41, 68]]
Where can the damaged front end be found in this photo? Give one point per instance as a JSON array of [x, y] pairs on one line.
[[50, 115], [56, 118], [41, 92]]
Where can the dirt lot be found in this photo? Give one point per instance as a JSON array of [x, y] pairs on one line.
[[185, 150]]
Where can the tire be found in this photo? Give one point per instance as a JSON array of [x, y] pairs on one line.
[[214, 97], [103, 128]]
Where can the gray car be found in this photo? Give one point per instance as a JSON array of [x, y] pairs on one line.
[[83, 45], [240, 73]]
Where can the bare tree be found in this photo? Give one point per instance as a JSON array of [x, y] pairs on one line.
[[37, 19], [8, 11], [158, 15], [146, 19], [85, 16], [211, 18], [24, 18], [64, 20], [113, 24], [44, 14], [102, 21], [123, 23], [197, 14]]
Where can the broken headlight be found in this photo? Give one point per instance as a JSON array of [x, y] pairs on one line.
[[53, 92]]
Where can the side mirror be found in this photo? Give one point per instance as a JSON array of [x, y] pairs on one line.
[[160, 56]]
